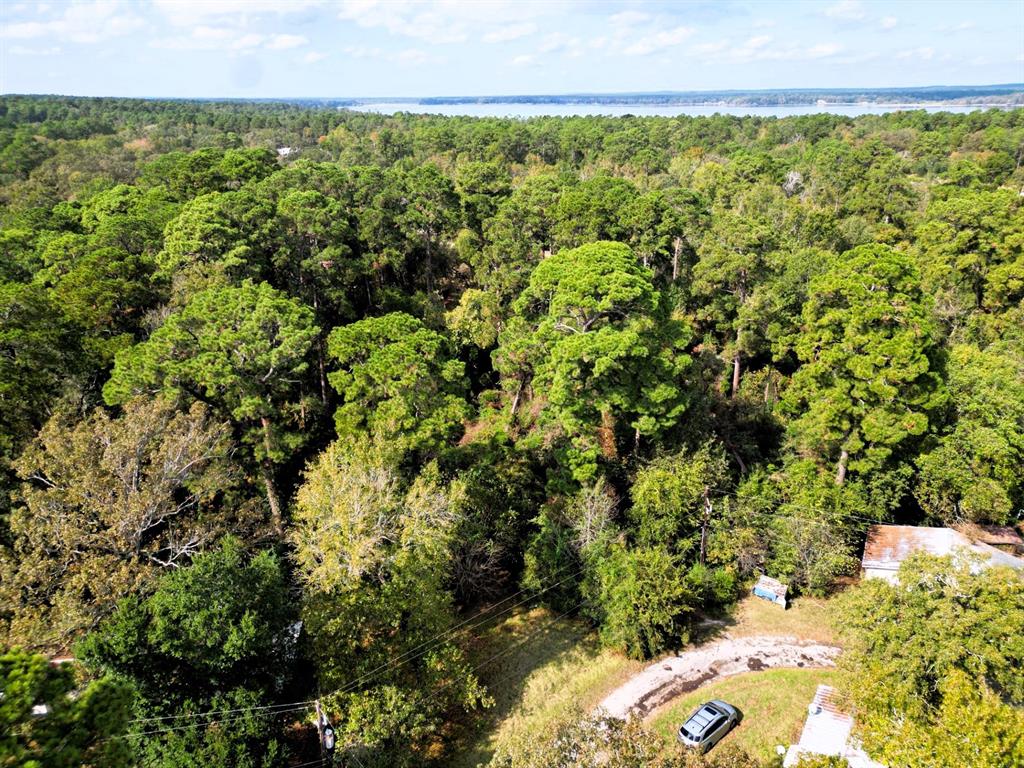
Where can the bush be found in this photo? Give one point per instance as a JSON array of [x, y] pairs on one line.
[[644, 600]]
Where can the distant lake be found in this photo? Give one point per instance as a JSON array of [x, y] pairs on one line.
[[497, 109]]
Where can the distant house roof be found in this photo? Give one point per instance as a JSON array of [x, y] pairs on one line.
[[996, 535], [827, 732], [889, 545]]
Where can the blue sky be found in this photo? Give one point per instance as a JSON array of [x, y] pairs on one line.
[[296, 48]]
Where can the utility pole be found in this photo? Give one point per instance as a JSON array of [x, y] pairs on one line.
[[320, 730], [326, 735], [708, 509]]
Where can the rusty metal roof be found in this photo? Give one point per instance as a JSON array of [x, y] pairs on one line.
[[825, 698], [998, 535], [889, 545]]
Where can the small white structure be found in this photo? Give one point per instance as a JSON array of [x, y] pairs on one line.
[[889, 545], [771, 590], [827, 732]]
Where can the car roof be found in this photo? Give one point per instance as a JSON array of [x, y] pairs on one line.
[[702, 718]]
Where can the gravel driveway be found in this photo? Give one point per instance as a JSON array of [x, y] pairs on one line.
[[676, 675]]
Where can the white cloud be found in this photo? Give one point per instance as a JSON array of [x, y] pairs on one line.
[[523, 61], [81, 22], [560, 42], [751, 49], [313, 57], [658, 41], [924, 53], [213, 34], [857, 58], [362, 52], [285, 42], [23, 50], [445, 21], [628, 18], [413, 56], [408, 19], [847, 10], [963, 26], [409, 56], [710, 49], [888, 22], [821, 50], [207, 38], [190, 13], [251, 40], [510, 32], [755, 43], [761, 48]]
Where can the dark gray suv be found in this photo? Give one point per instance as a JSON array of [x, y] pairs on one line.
[[706, 727]]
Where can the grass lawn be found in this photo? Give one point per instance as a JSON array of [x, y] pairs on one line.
[[773, 703], [536, 680], [807, 618], [537, 670]]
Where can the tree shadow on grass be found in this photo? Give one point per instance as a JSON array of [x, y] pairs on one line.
[[708, 627], [506, 654]]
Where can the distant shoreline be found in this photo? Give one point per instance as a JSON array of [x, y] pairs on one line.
[[999, 96], [996, 96], [787, 105]]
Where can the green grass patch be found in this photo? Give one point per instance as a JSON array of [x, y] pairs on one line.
[[773, 703], [546, 668], [537, 669], [807, 618]]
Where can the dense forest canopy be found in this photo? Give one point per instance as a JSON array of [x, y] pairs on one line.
[[351, 377]]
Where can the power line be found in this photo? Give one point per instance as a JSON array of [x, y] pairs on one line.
[[509, 649], [318, 761], [476, 668], [803, 508], [219, 711], [220, 721], [421, 649], [438, 639], [410, 655]]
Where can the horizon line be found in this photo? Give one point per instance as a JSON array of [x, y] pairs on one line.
[[566, 94]]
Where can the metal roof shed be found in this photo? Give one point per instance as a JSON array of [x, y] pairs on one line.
[[772, 590], [827, 731], [889, 545]]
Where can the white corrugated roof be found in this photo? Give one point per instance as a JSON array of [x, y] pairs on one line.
[[827, 732]]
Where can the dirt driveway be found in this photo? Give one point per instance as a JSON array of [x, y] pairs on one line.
[[676, 675]]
